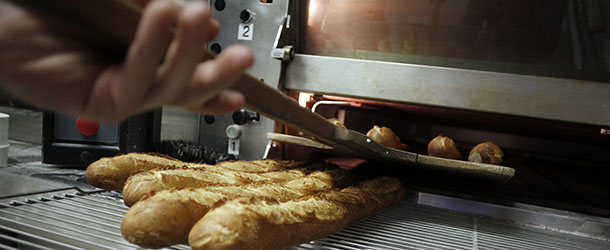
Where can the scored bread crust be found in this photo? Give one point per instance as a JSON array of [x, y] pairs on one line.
[[259, 223], [261, 166], [143, 184], [176, 211], [112, 172]]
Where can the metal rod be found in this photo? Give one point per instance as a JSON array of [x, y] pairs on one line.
[[74, 230], [62, 211], [79, 241], [37, 237], [115, 220], [23, 242]]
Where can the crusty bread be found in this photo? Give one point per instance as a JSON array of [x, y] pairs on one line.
[[259, 223], [166, 217], [260, 166], [111, 172], [143, 184]]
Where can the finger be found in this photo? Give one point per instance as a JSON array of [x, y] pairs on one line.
[[213, 76], [118, 89], [226, 101], [214, 29], [146, 52], [183, 55], [140, 3]]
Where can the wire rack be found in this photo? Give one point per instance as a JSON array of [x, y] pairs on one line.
[[77, 220]]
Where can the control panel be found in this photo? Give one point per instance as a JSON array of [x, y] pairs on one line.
[[74, 140], [78, 129], [253, 23]]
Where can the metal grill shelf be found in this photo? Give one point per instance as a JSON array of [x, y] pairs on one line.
[[76, 220]]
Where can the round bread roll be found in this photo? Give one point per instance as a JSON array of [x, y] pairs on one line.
[[385, 136], [442, 146], [486, 152]]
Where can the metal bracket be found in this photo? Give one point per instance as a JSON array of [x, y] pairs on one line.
[[285, 53]]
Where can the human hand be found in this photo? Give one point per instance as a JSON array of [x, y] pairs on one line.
[[47, 68]]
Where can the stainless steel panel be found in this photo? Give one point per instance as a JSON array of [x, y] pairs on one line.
[[179, 124], [267, 19], [24, 124], [15, 185], [531, 96]]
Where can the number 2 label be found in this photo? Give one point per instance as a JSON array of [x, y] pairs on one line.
[[245, 31]]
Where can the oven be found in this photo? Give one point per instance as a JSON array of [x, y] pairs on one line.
[[531, 76]]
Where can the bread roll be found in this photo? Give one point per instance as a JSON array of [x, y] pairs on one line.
[[166, 217], [442, 146], [111, 172], [385, 136], [486, 152], [258, 223], [143, 184]]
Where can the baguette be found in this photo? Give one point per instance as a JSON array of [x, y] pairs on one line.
[[166, 217], [260, 166], [112, 172], [143, 184], [258, 223]]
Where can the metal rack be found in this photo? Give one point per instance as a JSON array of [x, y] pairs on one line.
[[72, 219], [411, 226], [65, 220]]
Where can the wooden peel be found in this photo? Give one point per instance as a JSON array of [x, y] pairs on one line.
[[481, 170], [112, 24]]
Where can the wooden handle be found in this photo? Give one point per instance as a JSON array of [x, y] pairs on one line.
[[280, 107]]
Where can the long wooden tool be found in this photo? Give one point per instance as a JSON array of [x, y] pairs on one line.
[[111, 25]]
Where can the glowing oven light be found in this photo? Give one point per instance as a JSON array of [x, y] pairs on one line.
[[313, 7], [303, 98]]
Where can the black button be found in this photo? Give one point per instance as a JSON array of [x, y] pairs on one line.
[[220, 5], [209, 119], [215, 47], [245, 16], [86, 157], [240, 117], [244, 116]]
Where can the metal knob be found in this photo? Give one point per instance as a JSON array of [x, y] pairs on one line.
[[246, 16], [243, 116]]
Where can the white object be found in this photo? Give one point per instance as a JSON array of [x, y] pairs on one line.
[[233, 147], [233, 131], [245, 31], [3, 139]]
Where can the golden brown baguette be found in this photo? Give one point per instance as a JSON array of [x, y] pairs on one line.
[[260, 166], [111, 172], [141, 185], [166, 217], [256, 223]]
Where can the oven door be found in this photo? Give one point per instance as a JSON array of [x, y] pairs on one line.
[[543, 59]]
